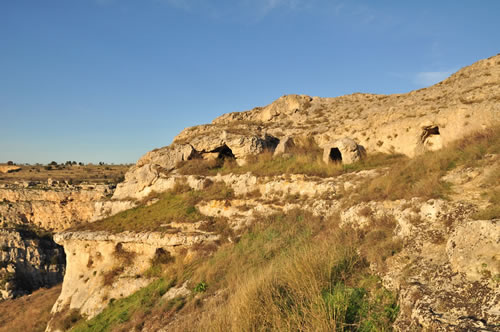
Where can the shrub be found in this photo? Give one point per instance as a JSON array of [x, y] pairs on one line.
[[200, 287]]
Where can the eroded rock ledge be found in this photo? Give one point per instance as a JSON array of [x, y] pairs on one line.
[[102, 266]]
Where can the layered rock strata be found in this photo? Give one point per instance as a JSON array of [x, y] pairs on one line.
[[28, 262]]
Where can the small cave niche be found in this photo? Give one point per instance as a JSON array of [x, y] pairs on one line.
[[431, 138], [224, 152], [429, 131], [335, 155]]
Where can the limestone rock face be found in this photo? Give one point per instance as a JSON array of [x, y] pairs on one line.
[[167, 157], [283, 107], [286, 105], [474, 249], [28, 262], [151, 173], [409, 123], [240, 144], [345, 150], [284, 146], [93, 255], [51, 208], [440, 273], [150, 168]]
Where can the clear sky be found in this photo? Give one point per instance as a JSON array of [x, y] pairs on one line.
[[108, 80]]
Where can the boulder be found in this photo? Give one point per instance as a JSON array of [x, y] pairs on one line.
[[344, 150], [9, 168], [284, 146], [148, 169], [167, 157], [286, 105], [237, 145]]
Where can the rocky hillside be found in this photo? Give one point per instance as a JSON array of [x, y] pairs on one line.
[[30, 211], [360, 212]]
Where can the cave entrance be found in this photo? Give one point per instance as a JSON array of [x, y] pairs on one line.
[[429, 131], [431, 138], [224, 152], [335, 155]]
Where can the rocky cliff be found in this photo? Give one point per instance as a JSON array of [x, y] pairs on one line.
[[419, 226], [56, 206], [29, 212], [28, 261]]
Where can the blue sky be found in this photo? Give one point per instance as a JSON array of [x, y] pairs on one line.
[[108, 80]]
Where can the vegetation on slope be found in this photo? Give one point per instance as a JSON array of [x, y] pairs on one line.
[[300, 160], [294, 271], [288, 272], [422, 175], [176, 205], [28, 313]]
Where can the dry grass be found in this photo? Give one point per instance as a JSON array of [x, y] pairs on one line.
[[28, 313], [72, 174], [300, 160], [176, 205], [421, 176], [491, 187], [289, 272]]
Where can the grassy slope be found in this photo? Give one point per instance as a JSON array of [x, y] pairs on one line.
[[288, 272], [297, 271], [300, 160], [28, 313], [422, 176], [177, 205]]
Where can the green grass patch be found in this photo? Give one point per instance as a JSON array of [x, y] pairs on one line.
[[121, 311], [172, 206]]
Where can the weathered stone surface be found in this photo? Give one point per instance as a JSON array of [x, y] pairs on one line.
[[465, 102], [286, 105], [284, 146], [345, 150], [90, 255], [9, 168], [435, 272], [51, 208], [241, 145], [167, 157], [474, 249], [28, 262], [150, 168]]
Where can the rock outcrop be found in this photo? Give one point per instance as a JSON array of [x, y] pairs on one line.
[[9, 168], [402, 123], [28, 262], [57, 207], [103, 266], [445, 280], [284, 146], [344, 150]]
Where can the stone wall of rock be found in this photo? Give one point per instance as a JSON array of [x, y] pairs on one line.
[[102, 266], [56, 207], [28, 262]]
